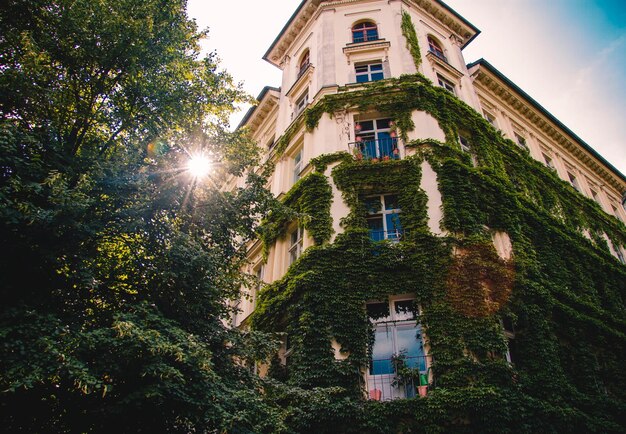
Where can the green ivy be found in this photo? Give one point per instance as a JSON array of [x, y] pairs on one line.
[[408, 31], [565, 293]]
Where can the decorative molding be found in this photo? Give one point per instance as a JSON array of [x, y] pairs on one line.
[[362, 47], [436, 61]]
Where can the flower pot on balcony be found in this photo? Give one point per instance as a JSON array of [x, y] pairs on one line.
[[393, 134], [357, 127], [422, 390], [374, 160], [396, 151], [386, 158], [359, 139]]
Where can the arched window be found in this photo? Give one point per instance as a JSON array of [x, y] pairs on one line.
[[435, 47], [364, 31], [304, 62]]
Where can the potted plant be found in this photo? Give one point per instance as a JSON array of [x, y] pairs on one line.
[[386, 158], [358, 154], [409, 378]]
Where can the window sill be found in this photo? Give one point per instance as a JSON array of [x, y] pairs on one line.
[[444, 65], [362, 47]]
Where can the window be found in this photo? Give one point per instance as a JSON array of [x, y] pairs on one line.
[[548, 162], [595, 196], [465, 147], [490, 118], [259, 273], [365, 31], [521, 141], [304, 63], [435, 47], [369, 71], [446, 84], [509, 333], [296, 238], [396, 333], [301, 104], [616, 212], [376, 139], [573, 181], [383, 217], [297, 166]]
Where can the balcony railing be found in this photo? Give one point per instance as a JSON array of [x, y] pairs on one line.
[[375, 149], [439, 54], [384, 380], [394, 235]]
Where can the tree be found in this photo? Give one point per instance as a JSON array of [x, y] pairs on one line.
[[116, 263]]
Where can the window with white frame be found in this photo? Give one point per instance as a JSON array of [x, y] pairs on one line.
[[446, 84], [376, 139], [259, 274], [595, 196], [301, 104], [296, 244], [370, 71], [297, 166], [383, 217], [397, 339], [465, 146], [304, 62]]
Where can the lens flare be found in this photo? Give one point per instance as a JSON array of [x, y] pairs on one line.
[[199, 166]]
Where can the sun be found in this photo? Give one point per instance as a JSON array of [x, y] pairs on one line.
[[199, 166]]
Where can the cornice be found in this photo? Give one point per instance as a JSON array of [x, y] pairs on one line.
[[524, 108], [261, 111], [442, 64], [362, 47]]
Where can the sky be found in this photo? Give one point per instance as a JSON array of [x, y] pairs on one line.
[[569, 55]]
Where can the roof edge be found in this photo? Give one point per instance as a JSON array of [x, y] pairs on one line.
[[252, 109], [546, 113]]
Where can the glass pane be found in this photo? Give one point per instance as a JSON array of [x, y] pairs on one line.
[[409, 342], [375, 225], [372, 34], [372, 205], [362, 68], [394, 229], [367, 125], [382, 352], [377, 76], [385, 143], [378, 311], [391, 201], [404, 310], [362, 78], [382, 124], [376, 67]]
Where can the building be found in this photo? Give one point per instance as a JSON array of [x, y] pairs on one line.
[[446, 236]]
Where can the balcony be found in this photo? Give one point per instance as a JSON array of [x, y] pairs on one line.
[[393, 235], [389, 379], [439, 54], [374, 150]]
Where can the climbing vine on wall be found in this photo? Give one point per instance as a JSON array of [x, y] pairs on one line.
[[563, 292], [408, 31]]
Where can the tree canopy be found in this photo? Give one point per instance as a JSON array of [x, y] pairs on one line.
[[117, 263]]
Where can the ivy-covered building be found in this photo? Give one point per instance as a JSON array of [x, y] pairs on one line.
[[450, 256]]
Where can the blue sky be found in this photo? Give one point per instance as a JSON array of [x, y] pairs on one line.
[[569, 55]]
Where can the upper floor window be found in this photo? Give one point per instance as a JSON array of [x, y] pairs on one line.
[[383, 217], [304, 62], [376, 139], [465, 146], [509, 333], [365, 31], [371, 71], [297, 166], [616, 212], [521, 140], [595, 196], [490, 118], [435, 47], [397, 349], [296, 244], [301, 104], [548, 161], [446, 84], [573, 181]]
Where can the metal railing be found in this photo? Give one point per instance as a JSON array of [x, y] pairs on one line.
[[392, 235], [375, 149], [439, 54], [388, 379]]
